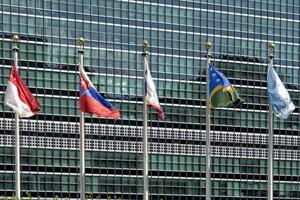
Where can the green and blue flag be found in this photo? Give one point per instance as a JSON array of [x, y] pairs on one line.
[[221, 92]]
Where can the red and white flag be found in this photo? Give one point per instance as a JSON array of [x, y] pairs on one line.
[[18, 97]]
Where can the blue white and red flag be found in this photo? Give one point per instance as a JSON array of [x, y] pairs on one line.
[[150, 92], [92, 102]]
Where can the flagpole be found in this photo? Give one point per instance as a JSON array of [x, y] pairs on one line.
[[145, 123], [271, 48], [208, 144], [15, 49], [81, 128]]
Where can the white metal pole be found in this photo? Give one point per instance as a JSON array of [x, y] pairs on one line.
[[15, 49], [270, 141], [145, 123], [81, 128], [208, 144]]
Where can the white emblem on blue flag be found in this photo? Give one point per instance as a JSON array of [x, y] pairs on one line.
[[279, 97]]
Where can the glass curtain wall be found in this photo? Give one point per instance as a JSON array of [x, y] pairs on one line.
[[176, 31]]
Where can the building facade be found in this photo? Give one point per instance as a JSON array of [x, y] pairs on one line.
[[176, 31]]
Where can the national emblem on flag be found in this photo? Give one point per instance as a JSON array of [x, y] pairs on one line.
[[92, 102]]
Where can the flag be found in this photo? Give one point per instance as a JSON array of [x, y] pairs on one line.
[[279, 97], [92, 102], [18, 97], [221, 92], [150, 93]]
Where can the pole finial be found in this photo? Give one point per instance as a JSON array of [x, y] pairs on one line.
[[80, 41], [145, 44], [208, 45], [15, 39], [271, 46]]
